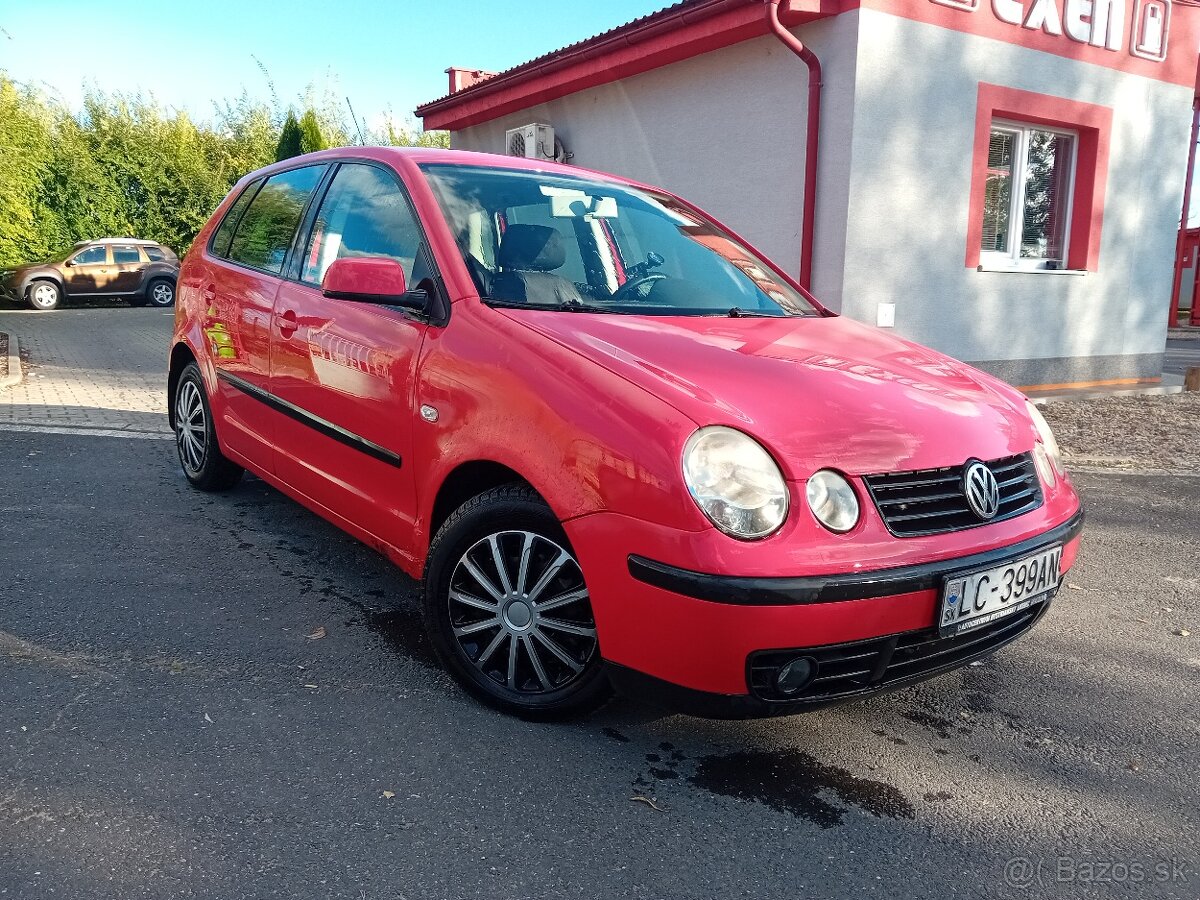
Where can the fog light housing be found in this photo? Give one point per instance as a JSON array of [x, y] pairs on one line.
[[795, 675]]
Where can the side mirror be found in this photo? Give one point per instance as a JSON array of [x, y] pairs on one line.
[[69, 262], [369, 279]]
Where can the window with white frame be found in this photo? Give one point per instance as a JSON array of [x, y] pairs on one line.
[[1027, 196]]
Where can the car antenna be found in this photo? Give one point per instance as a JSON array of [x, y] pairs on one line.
[[353, 118]]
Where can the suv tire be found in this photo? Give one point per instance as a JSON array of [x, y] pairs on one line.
[[44, 296]]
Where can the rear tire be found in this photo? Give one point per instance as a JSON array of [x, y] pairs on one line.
[[200, 456], [44, 296], [507, 609], [160, 293]]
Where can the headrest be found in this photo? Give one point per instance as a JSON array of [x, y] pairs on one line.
[[532, 248]]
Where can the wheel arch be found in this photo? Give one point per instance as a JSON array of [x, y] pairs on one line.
[[181, 355], [42, 275], [467, 480]]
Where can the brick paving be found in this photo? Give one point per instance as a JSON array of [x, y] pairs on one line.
[[91, 368]]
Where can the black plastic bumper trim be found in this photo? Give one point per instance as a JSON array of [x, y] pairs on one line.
[[790, 591], [708, 705]]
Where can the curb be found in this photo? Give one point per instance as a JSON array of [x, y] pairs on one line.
[[1171, 384], [15, 375]]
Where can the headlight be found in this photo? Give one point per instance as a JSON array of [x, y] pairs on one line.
[[735, 482], [1046, 454], [832, 500]]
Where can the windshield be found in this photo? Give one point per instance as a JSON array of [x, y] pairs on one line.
[[562, 242]]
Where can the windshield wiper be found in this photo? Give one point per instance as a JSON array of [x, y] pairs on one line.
[[736, 312], [571, 305]]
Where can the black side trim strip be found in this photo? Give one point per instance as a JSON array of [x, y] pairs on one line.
[[756, 591], [304, 417]]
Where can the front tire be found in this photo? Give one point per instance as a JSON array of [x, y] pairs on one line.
[[200, 456], [160, 293], [44, 296], [508, 611]]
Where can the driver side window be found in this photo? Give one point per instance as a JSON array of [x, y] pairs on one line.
[[92, 256], [364, 213]]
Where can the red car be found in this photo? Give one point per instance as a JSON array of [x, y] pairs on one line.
[[619, 446]]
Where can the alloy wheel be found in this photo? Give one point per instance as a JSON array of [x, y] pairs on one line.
[[520, 612], [190, 432], [162, 294]]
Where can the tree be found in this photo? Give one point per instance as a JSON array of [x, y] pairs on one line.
[[311, 139], [291, 139], [25, 157]]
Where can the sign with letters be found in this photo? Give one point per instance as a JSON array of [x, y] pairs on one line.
[[1137, 27]]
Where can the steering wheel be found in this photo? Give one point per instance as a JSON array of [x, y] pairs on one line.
[[634, 286]]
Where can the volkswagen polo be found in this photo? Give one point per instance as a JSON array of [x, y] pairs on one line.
[[618, 446]]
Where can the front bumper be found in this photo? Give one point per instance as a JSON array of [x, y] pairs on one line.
[[709, 644]]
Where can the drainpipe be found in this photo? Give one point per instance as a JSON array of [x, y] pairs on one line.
[[1181, 241], [814, 136]]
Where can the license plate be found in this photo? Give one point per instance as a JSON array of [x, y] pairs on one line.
[[973, 599]]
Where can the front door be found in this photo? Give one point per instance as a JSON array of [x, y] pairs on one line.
[[240, 280], [347, 370], [89, 271]]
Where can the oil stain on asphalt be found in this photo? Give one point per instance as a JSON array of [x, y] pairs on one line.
[[793, 781], [788, 781]]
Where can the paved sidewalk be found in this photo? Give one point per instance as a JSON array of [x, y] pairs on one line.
[[93, 368]]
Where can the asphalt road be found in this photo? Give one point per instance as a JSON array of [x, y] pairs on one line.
[[1181, 354], [169, 727]]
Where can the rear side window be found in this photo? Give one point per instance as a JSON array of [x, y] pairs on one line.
[[224, 232], [364, 213], [266, 229], [124, 256]]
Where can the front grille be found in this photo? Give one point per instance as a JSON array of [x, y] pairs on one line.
[[859, 667], [931, 501]]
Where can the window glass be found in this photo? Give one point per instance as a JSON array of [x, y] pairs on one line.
[[266, 230], [364, 213], [91, 256], [156, 254], [1044, 219], [563, 241], [997, 199], [224, 233], [124, 256], [1027, 193]]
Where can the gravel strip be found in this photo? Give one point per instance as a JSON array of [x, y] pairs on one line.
[[3, 355], [1129, 433]]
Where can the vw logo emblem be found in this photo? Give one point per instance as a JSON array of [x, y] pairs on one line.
[[981, 490]]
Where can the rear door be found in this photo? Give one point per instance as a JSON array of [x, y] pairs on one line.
[[346, 369], [89, 271], [246, 260], [127, 266]]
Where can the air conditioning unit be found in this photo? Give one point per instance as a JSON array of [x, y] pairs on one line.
[[531, 141]]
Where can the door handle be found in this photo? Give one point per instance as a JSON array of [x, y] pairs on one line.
[[287, 323], [209, 295]]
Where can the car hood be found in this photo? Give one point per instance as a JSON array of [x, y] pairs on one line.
[[819, 392]]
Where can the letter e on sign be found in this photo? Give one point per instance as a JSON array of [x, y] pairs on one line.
[[1151, 25]]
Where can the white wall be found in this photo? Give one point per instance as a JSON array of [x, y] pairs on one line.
[[914, 126]]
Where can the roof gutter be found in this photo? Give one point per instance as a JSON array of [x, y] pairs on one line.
[[808, 228]]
